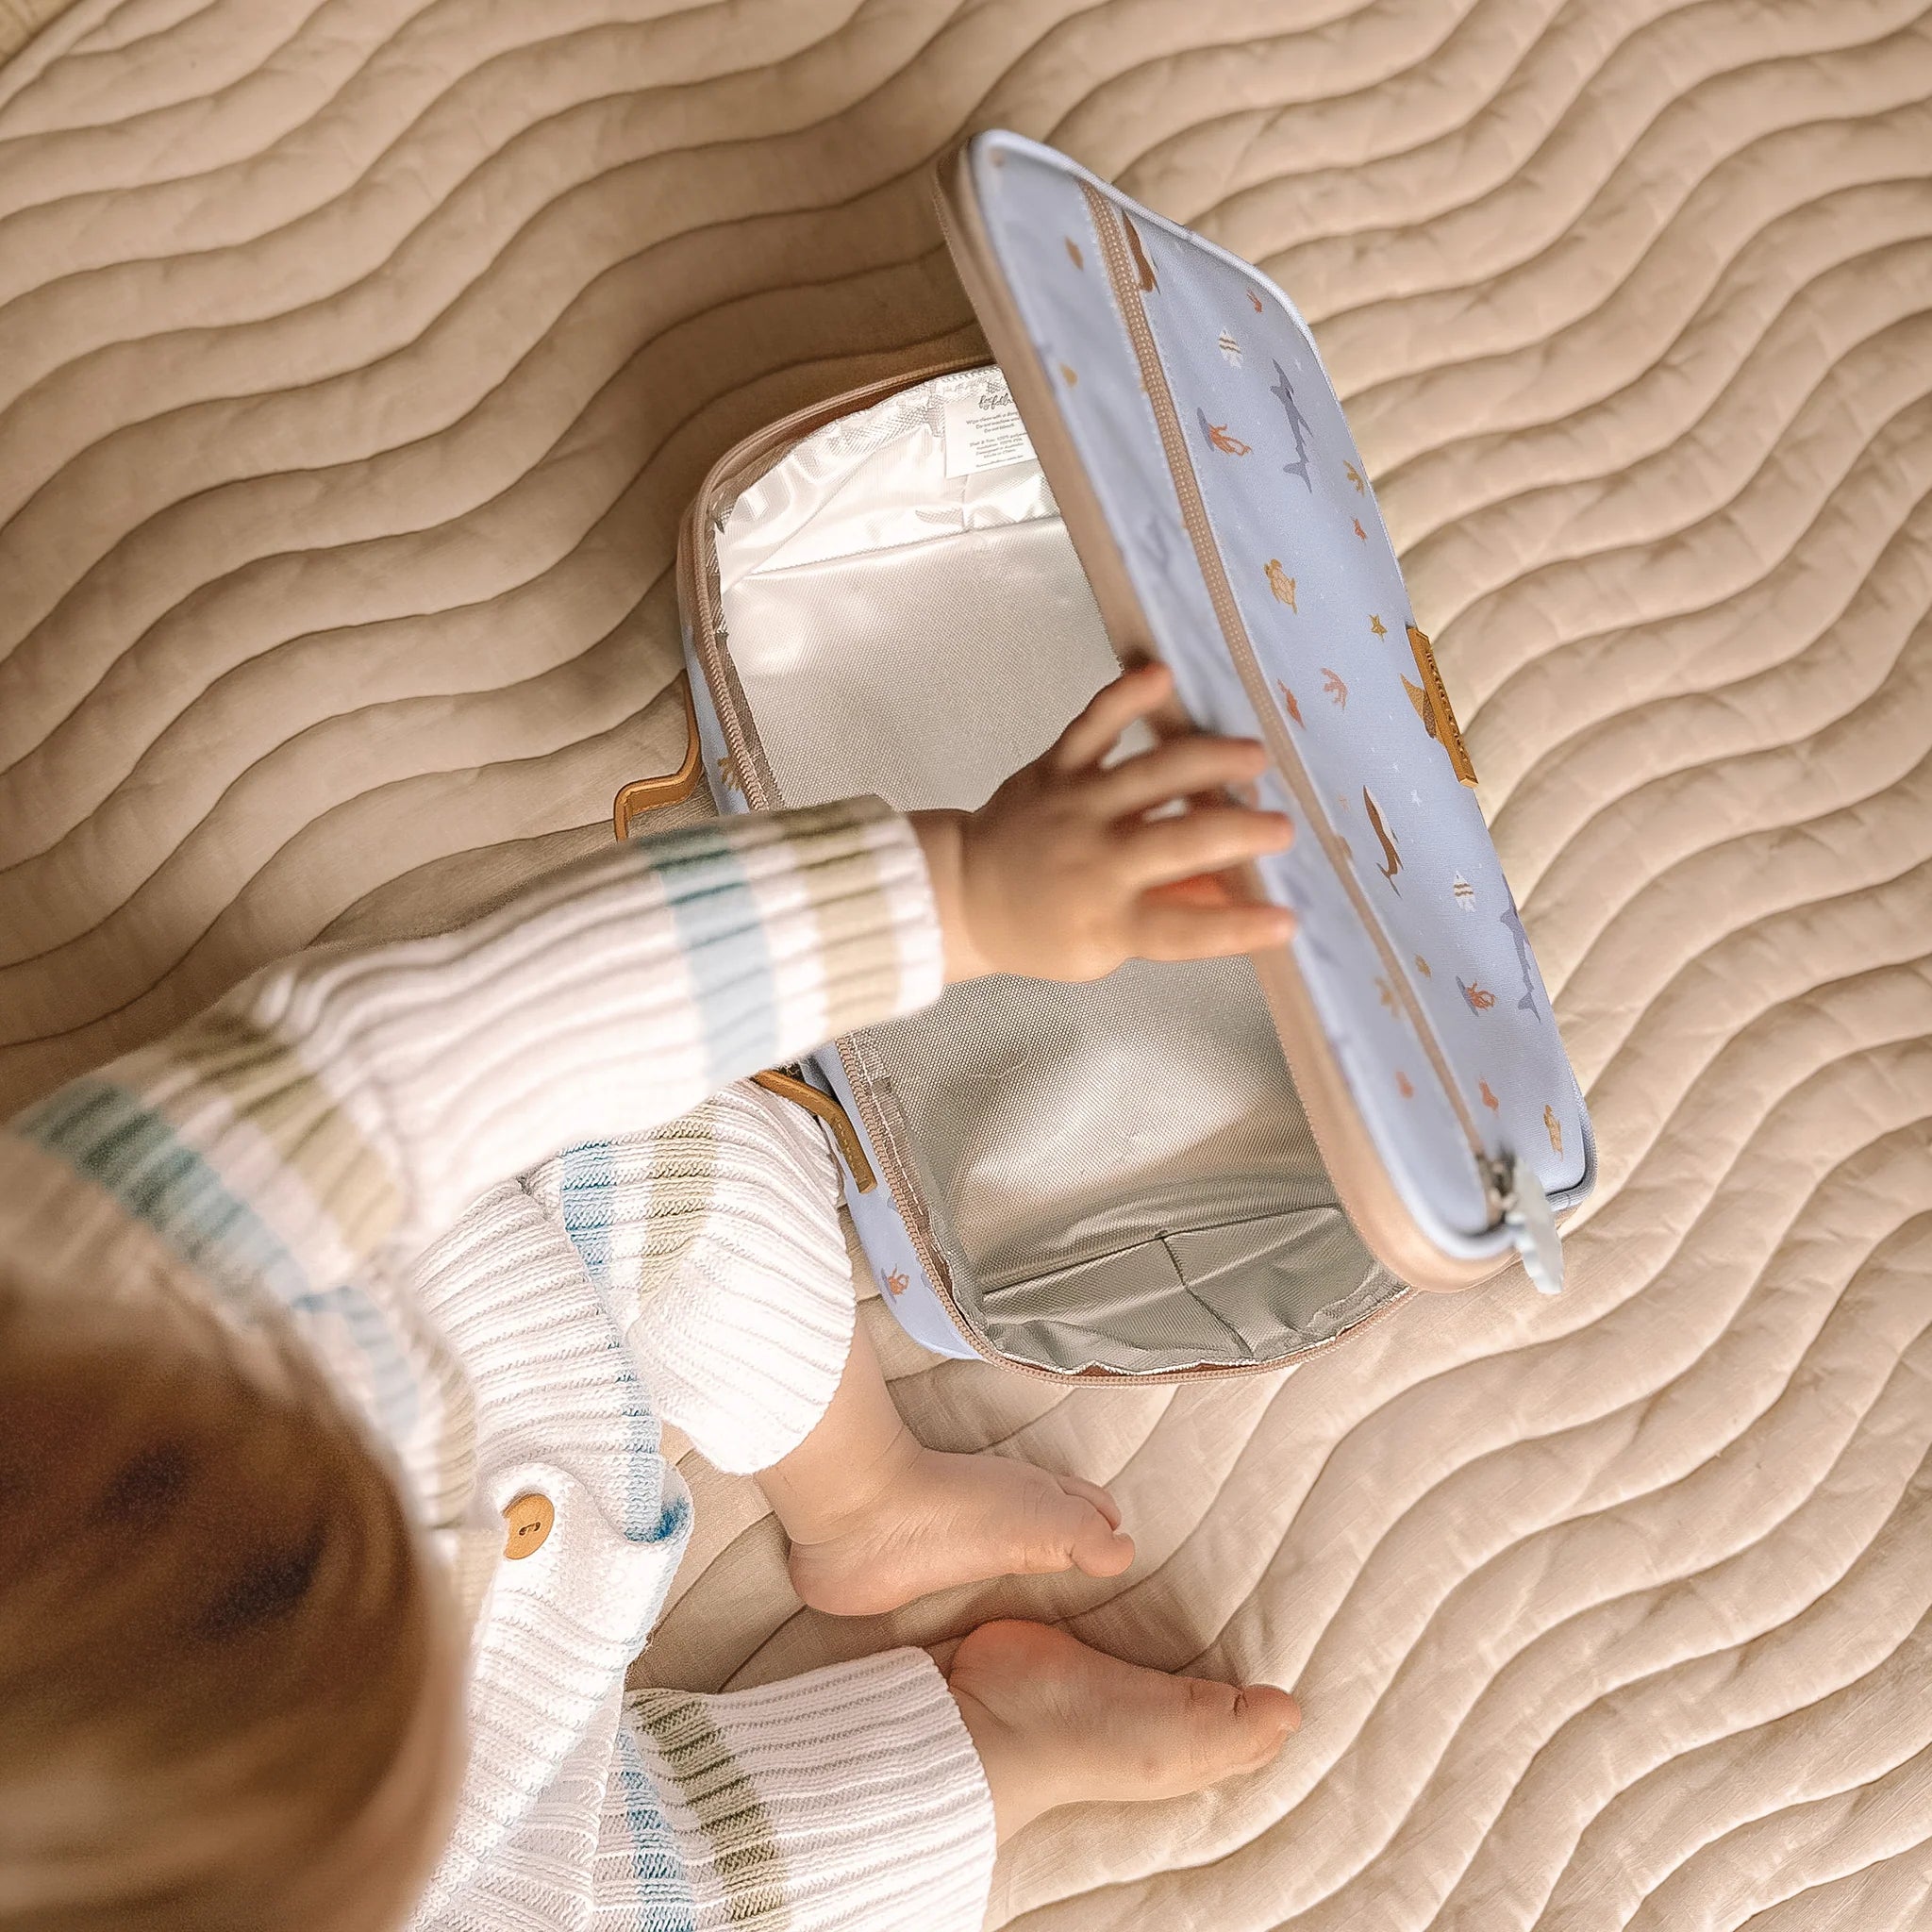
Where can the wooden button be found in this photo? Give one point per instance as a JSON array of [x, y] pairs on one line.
[[528, 1519]]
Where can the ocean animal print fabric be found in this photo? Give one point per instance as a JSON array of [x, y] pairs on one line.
[[1400, 876]]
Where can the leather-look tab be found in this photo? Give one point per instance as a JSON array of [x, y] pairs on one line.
[[1440, 715]]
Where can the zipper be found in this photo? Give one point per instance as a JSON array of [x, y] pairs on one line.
[[1126, 283], [711, 643]]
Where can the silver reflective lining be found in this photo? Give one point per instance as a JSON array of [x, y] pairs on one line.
[[1119, 1176]]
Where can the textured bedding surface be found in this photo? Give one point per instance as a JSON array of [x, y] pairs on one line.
[[355, 359]]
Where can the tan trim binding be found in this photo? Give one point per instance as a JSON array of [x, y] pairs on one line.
[[1440, 716], [646, 794]]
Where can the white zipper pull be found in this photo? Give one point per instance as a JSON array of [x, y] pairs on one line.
[[1528, 1216]]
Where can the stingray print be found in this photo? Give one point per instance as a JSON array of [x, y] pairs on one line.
[[1480, 999], [1149, 280], [1513, 919], [1280, 583], [1217, 433], [1380, 827], [1298, 426]]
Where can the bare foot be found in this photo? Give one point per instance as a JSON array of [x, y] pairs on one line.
[[931, 1521], [1057, 1724]]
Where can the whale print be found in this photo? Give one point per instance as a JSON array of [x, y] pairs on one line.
[[1280, 583], [1554, 1128], [1143, 267], [1217, 433], [1513, 919], [1479, 999], [1298, 426], [1392, 858]]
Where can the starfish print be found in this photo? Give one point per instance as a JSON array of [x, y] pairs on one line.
[[1490, 1100], [1359, 531], [1376, 625], [1354, 475], [1280, 583], [1294, 710], [1332, 684]]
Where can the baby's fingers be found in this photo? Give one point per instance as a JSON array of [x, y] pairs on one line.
[[1108, 712], [1162, 929], [1207, 840], [1181, 768]]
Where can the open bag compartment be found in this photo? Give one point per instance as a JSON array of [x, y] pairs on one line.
[[1117, 1175]]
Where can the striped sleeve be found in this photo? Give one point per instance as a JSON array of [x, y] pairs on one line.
[[354, 1096]]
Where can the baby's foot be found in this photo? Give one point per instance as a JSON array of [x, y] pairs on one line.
[[1057, 1724], [944, 1519]]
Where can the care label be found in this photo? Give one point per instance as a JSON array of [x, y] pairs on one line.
[[983, 428]]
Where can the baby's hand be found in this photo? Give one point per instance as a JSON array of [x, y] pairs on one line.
[[1064, 875]]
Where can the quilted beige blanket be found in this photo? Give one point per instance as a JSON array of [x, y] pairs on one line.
[[355, 359]]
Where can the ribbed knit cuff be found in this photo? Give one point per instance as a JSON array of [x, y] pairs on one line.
[[850, 1797]]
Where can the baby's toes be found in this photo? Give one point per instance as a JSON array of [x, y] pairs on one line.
[[1093, 1544], [1091, 1492]]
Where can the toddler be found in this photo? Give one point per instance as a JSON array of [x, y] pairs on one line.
[[335, 1330]]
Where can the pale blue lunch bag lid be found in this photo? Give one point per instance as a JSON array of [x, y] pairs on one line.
[[1182, 1170]]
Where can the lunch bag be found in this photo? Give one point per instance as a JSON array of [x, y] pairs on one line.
[[1181, 1170]]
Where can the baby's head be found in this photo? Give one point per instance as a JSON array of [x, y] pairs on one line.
[[228, 1695]]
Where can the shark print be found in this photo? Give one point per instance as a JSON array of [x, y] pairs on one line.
[[1280, 583], [1332, 684], [1554, 1128], [1513, 919], [1294, 710], [1480, 1000], [1490, 1098], [1143, 267], [1392, 858], [1298, 426], [1217, 433]]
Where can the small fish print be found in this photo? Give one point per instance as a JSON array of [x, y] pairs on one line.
[[1376, 625], [1298, 426], [1294, 710], [1143, 267], [1069, 374], [1280, 583], [1074, 254], [1353, 476], [1490, 1099], [1465, 893], [1391, 857], [1513, 919], [1384, 993], [897, 1283], [1422, 967], [1404, 1086], [1332, 684], [1554, 1128], [727, 774], [1359, 531], [1230, 349], [1480, 999], [1254, 302], [1217, 433]]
